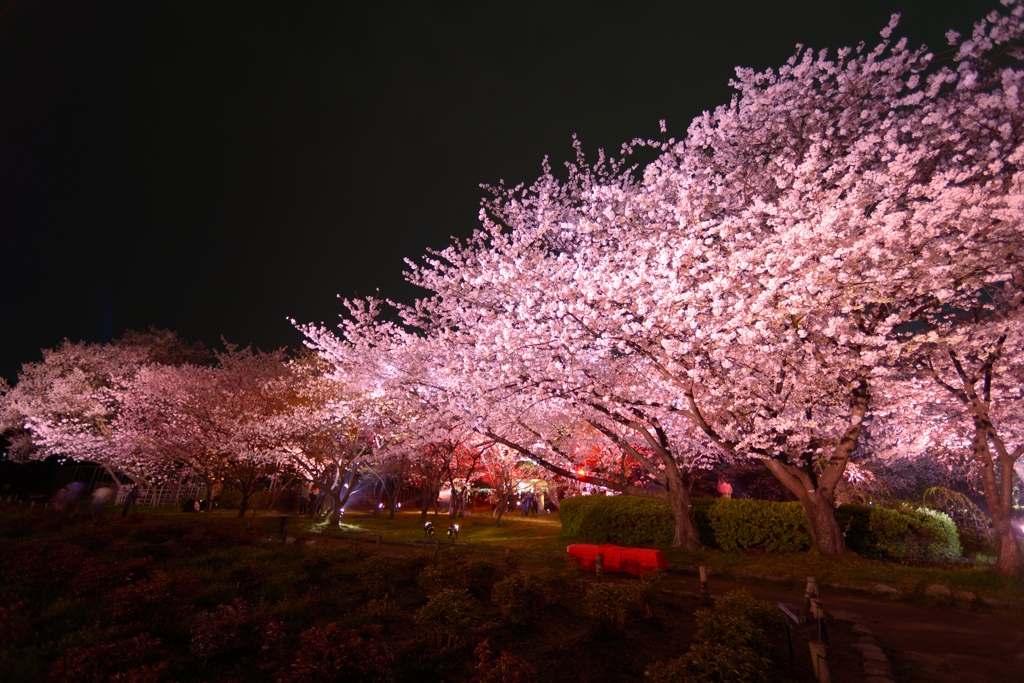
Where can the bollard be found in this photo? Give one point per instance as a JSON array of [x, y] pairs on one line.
[[810, 592], [820, 662], [704, 594], [599, 566]]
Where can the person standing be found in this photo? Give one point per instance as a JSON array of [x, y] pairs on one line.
[[130, 499]]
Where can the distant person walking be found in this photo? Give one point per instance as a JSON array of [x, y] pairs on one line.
[[724, 488], [101, 497], [76, 490], [130, 499]]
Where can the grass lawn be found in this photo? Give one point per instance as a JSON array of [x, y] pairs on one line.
[[543, 535]]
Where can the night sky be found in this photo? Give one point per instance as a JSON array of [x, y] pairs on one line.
[[213, 167]]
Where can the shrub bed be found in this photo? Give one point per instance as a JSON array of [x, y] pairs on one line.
[[905, 533]]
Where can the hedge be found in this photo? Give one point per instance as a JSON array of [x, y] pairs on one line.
[[906, 533], [743, 524], [623, 520]]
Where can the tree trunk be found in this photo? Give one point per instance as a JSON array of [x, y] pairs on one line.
[[500, 507], [430, 491], [244, 505], [817, 504], [999, 496], [686, 534], [209, 495]]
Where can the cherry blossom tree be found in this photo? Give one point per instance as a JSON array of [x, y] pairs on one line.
[[761, 279], [66, 404]]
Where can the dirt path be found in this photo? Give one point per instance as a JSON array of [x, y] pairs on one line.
[[935, 645]]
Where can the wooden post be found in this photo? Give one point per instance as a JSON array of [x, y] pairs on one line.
[[704, 594], [820, 663], [599, 566], [810, 592]]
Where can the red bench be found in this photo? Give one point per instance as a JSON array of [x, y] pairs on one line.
[[618, 558]]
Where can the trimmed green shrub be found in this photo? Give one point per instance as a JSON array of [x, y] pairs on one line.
[[609, 604], [335, 653], [374, 574], [439, 576], [519, 597], [700, 508], [380, 611], [559, 584], [723, 523], [480, 575], [906, 533], [447, 614], [730, 645], [505, 668], [741, 524], [624, 520]]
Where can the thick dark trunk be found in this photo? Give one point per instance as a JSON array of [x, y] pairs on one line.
[[686, 534], [244, 505], [826, 534], [819, 511], [430, 490], [209, 495]]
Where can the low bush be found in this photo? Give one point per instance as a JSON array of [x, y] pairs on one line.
[[904, 533], [13, 626], [375, 575], [380, 611], [334, 653], [99, 663], [624, 520], [729, 646], [445, 617], [505, 668], [153, 604], [558, 584], [612, 604], [315, 565], [439, 576], [232, 630], [481, 575], [231, 499], [519, 596]]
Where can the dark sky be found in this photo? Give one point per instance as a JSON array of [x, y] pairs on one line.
[[213, 167]]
